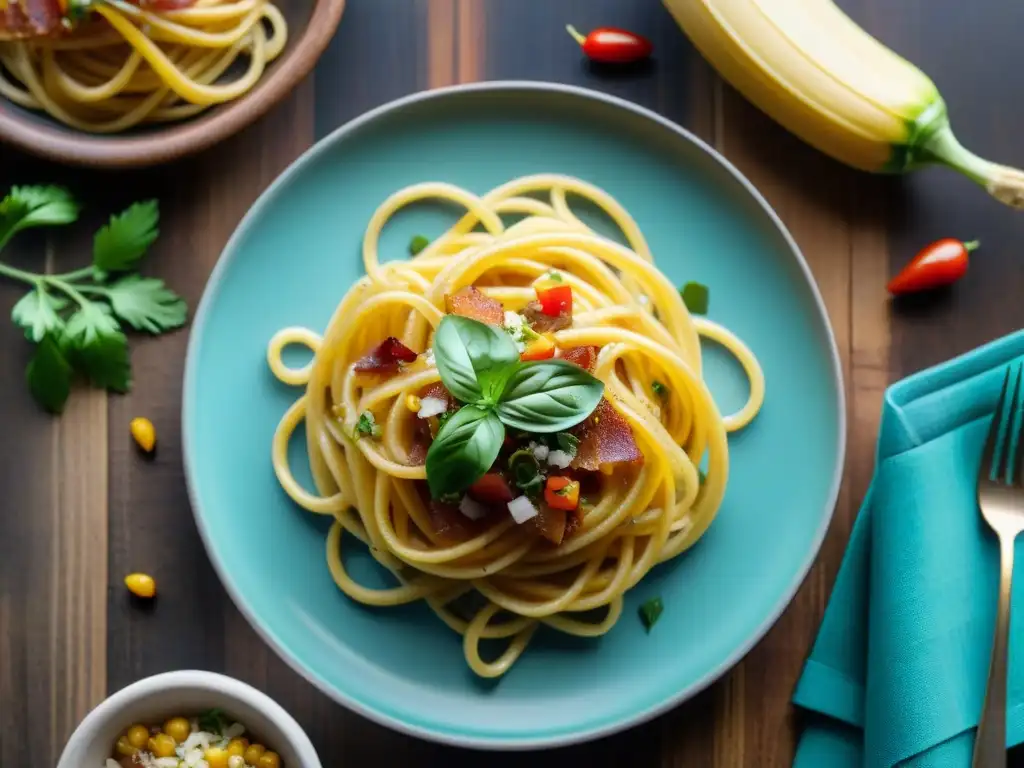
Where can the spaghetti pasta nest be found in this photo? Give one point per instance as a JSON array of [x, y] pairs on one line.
[[491, 578], [127, 65]]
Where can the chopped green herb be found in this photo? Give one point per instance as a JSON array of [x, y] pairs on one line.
[[650, 612], [658, 388], [367, 425], [701, 476], [417, 244], [565, 490], [525, 471], [567, 442], [450, 498], [696, 298], [442, 419], [554, 276], [213, 721]]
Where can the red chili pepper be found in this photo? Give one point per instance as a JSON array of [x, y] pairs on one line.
[[611, 45], [556, 300], [941, 263]]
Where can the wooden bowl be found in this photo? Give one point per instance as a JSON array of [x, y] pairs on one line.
[[311, 25]]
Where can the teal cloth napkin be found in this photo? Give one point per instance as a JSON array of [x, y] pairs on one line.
[[897, 673]]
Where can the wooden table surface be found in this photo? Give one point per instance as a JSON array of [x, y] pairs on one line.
[[80, 509]]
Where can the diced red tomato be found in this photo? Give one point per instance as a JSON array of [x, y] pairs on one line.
[[539, 349], [384, 358], [584, 357], [551, 524], [605, 439], [473, 303], [492, 488], [555, 301], [562, 493]]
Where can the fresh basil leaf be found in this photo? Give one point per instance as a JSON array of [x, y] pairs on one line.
[[567, 442], [473, 358], [464, 449], [548, 396]]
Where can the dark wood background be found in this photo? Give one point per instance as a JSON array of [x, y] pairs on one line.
[[80, 510]]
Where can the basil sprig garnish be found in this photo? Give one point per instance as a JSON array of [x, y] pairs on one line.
[[479, 364]]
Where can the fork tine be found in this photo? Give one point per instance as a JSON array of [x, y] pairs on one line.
[[985, 472]]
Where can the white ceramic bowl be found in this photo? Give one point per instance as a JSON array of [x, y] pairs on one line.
[[154, 699]]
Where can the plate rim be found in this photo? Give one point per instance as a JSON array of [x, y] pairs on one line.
[[525, 742]]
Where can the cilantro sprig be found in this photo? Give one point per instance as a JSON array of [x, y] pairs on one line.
[[75, 319]]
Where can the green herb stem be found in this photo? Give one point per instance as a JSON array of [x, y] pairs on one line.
[[19, 274]]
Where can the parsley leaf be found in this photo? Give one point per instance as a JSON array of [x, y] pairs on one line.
[[658, 388], [38, 314], [49, 375], [367, 425], [119, 245], [651, 611], [696, 298], [146, 304], [26, 207], [97, 347], [417, 244]]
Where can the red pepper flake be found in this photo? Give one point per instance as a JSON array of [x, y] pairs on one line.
[[385, 357]]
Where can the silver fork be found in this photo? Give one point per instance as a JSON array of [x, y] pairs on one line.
[[1001, 498]]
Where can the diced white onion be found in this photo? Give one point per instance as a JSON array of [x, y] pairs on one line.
[[559, 459], [201, 739], [192, 758], [522, 509], [512, 319], [112, 763], [431, 406], [472, 508], [540, 452], [167, 762], [233, 731]]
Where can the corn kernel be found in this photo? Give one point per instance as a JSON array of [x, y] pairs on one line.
[[254, 753], [216, 757], [144, 433], [137, 736], [270, 760], [236, 761], [162, 745], [413, 403], [124, 747], [178, 729], [140, 584], [238, 747]]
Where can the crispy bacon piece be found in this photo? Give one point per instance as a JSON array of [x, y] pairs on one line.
[[384, 358], [29, 18], [544, 323], [471, 302], [557, 525], [605, 438], [584, 357]]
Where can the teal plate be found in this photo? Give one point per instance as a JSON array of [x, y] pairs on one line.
[[290, 263]]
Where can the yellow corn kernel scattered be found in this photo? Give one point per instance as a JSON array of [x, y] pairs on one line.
[[413, 403], [140, 584], [216, 757], [254, 753], [162, 745], [124, 747], [144, 433], [237, 747], [177, 728], [137, 736], [269, 760]]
